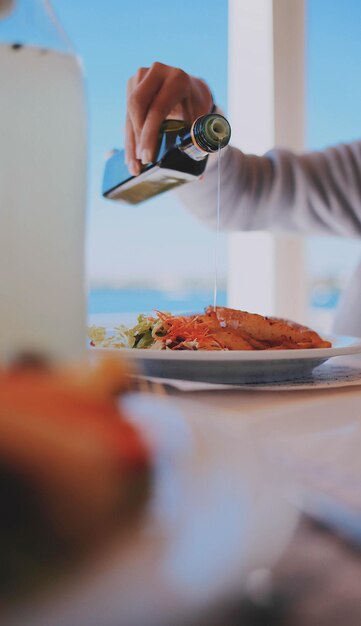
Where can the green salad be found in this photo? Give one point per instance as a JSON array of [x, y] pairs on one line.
[[147, 333]]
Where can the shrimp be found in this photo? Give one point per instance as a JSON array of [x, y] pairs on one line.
[[274, 331]]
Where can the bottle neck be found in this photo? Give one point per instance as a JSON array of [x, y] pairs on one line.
[[207, 134]]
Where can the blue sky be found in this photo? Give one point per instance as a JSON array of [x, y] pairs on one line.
[[333, 72], [114, 37]]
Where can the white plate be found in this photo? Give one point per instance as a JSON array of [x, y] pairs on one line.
[[340, 372], [237, 366]]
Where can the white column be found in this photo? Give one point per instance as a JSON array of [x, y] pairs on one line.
[[266, 108]]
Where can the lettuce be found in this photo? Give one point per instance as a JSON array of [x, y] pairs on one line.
[[140, 336], [143, 335]]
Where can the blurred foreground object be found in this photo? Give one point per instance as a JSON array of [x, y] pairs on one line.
[[73, 471], [43, 161]]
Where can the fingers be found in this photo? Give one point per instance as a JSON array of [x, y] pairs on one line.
[[130, 149], [173, 90], [170, 94], [142, 89], [130, 139], [152, 95]]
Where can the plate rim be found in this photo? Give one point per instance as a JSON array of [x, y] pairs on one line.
[[353, 347]]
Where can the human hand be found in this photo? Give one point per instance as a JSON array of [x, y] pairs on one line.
[[154, 94]]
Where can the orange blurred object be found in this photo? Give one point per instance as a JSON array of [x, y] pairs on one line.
[[72, 468]]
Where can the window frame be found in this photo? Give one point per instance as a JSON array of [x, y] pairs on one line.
[[266, 96]]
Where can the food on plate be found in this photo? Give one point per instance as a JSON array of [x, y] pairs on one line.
[[73, 470], [217, 329]]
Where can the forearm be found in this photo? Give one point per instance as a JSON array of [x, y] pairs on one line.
[[318, 192]]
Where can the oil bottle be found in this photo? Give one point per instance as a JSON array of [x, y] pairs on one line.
[[181, 157]]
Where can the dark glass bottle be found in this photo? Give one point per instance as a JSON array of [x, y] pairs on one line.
[[181, 157]]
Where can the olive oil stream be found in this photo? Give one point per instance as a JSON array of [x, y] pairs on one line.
[[216, 244]]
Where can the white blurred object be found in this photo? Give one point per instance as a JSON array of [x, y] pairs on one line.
[[43, 155], [218, 515]]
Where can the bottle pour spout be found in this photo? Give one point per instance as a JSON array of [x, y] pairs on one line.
[[210, 132], [218, 129]]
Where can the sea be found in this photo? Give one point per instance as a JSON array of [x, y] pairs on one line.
[[110, 301]]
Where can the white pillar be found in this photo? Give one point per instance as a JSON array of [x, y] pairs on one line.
[[266, 108]]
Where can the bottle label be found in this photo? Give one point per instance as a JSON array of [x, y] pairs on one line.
[[148, 184]]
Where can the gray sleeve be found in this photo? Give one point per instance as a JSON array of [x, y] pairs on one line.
[[317, 192]]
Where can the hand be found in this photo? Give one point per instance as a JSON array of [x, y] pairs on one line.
[[154, 94]]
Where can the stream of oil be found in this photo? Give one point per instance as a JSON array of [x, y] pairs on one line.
[[216, 244]]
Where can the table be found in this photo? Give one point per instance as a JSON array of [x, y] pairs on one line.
[[316, 436], [313, 439]]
